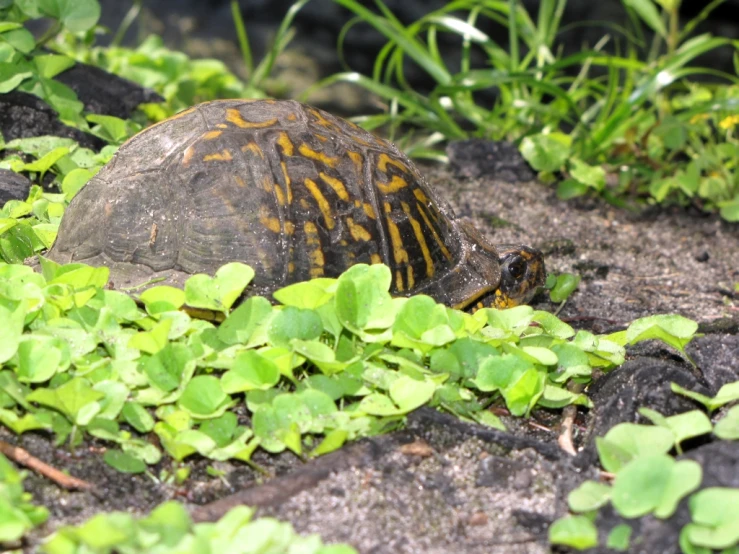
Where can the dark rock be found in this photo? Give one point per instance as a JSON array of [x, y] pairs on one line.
[[639, 383], [104, 93], [24, 115], [717, 357], [13, 186], [475, 158]]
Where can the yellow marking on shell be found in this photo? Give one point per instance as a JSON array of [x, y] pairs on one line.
[[384, 160], [268, 220], [368, 209], [210, 135], [323, 204], [222, 126], [308, 152], [357, 231], [437, 238], [398, 280], [253, 148], [187, 155], [430, 270], [234, 116], [394, 185], [335, 184], [289, 227], [400, 255], [290, 267], [288, 188], [321, 120], [291, 117], [419, 194], [320, 137], [315, 254], [304, 204], [284, 142], [375, 258], [357, 160], [279, 194], [239, 181], [409, 277], [223, 156]]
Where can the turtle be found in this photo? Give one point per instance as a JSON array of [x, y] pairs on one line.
[[292, 191]]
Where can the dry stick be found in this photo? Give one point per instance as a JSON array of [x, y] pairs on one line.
[[565, 437], [568, 421], [22, 457]]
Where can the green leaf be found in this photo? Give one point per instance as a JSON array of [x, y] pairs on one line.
[[571, 188], [12, 75], [20, 39], [675, 330], [363, 302], [727, 428], [715, 512], [592, 176], [162, 298], [76, 15], [653, 483], [39, 358], [50, 65], [627, 441], [619, 538], [648, 14], [683, 426], [564, 286], [332, 441], [11, 322], [152, 341], [220, 292], [575, 531], [242, 325], [137, 417], [167, 369], [76, 399], [727, 393], [204, 397], [123, 462], [546, 152], [250, 371], [309, 294], [422, 323], [410, 394], [74, 181], [294, 323], [589, 496]]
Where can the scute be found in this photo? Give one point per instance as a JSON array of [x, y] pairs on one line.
[[289, 189]]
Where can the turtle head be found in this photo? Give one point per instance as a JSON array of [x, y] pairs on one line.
[[521, 274]]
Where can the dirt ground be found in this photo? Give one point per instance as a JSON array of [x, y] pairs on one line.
[[442, 486]]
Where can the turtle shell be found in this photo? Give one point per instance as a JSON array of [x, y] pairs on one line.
[[289, 189]]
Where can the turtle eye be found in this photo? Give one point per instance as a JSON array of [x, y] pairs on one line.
[[517, 268]]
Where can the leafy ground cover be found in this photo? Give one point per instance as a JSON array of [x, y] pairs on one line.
[[339, 359]]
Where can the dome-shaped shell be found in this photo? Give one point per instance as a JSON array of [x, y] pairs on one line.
[[286, 188]]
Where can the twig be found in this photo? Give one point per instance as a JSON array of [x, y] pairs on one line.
[[565, 437], [22, 457]]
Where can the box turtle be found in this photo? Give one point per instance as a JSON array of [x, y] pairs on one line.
[[292, 191]]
